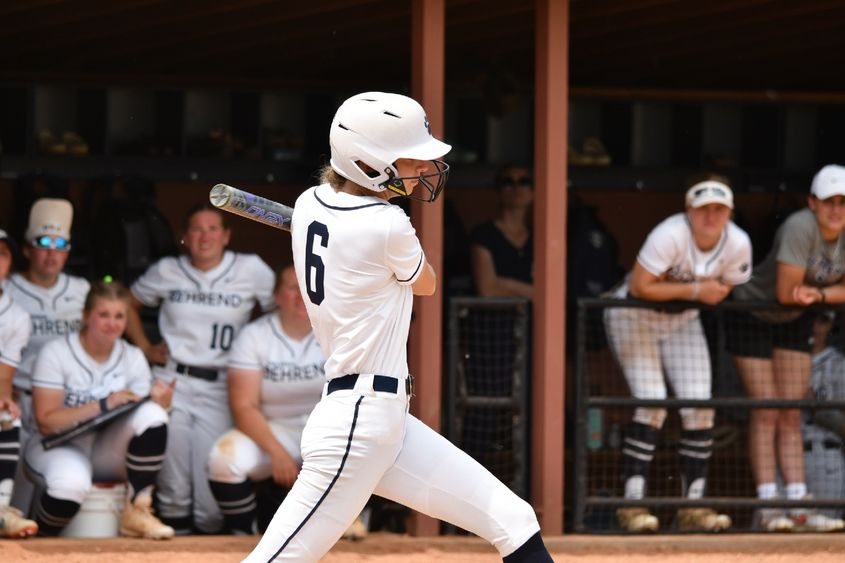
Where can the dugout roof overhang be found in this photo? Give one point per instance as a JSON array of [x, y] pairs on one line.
[[720, 44]]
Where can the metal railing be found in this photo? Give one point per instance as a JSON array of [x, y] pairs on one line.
[[588, 395]]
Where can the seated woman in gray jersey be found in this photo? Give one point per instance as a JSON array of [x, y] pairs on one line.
[[276, 376], [78, 377], [698, 255]]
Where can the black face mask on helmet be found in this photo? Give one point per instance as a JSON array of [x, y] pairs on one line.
[[432, 182]]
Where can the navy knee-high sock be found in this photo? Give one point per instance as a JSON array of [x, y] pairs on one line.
[[694, 458], [238, 505], [53, 514], [637, 454], [144, 458]]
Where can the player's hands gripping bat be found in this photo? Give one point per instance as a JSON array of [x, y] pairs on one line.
[[251, 206]]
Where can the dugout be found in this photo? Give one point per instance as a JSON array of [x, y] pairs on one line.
[[243, 91]]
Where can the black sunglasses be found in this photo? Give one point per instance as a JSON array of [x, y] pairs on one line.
[[45, 241], [523, 181]]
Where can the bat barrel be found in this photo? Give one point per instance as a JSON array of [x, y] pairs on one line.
[[251, 206]]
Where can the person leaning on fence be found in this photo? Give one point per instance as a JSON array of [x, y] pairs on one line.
[[824, 429], [805, 266], [698, 255]]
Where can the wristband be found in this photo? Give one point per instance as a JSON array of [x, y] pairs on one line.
[[104, 404], [696, 289], [822, 296]]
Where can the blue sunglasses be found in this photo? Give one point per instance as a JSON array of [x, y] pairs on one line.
[[58, 243]]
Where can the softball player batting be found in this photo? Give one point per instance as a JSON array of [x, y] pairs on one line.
[[205, 297], [698, 255], [77, 377], [53, 300], [359, 264], [15, 327]]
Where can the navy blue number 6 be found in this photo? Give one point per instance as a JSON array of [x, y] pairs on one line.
[[314, 263]]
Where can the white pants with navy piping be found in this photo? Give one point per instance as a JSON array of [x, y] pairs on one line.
[[361, 441]]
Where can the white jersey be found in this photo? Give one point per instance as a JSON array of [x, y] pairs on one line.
[[15, 327], [64, 364], [670, 251], [201, 312], [292, 370], [356, 258], [54, 311]]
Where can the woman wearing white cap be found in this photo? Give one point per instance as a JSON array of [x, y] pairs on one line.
[[698, 255], [772, 349]]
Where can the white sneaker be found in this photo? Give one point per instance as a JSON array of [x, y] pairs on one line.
[[774, 520], [816, 522], [138, 521], [811, 520]]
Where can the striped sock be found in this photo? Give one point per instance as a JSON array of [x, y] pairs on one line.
[[238, 505]]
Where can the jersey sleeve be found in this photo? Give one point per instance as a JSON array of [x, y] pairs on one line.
[[245, 350], [738, 268], [796, 241], [16, 341], [49, 365], [660, 250], [403, 253], [265, 279], [139, 377], [149, 288]]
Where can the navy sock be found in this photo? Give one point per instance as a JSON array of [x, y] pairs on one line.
[[238, 505], [532, 551]]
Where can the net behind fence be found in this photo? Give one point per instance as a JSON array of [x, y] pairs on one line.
[[486, 394], [665, 401]]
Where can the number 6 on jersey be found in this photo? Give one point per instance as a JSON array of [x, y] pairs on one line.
[[315, 270]]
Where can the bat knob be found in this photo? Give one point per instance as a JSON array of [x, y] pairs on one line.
[[219, 195]]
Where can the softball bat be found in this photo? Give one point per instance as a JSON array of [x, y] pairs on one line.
[[251, 206]]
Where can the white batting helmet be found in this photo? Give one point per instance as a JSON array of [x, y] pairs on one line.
[[377, 129]]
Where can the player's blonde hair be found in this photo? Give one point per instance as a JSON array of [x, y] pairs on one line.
[[109, 289], [329, 175]]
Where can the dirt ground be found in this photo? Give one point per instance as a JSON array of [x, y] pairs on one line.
[[384, 547]]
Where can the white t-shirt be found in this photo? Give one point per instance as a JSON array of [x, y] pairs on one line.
[[670, 250], [201, 312], [356, 258], [54, 311], [15, 327], [292, 370], [64, 364]]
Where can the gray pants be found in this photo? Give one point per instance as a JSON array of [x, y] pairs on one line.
[[200, 415], [824, 471]]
